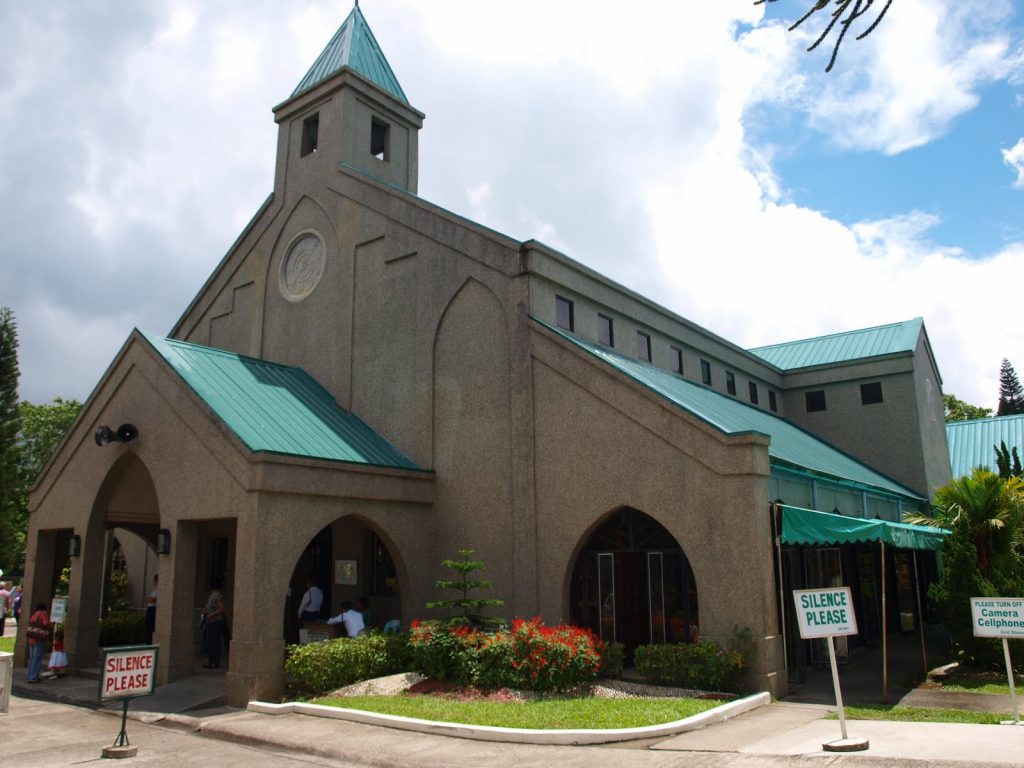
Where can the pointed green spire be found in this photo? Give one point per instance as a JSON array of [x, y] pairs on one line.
[[354, 46]]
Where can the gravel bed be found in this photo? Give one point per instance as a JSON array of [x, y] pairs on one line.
[[604, 688]]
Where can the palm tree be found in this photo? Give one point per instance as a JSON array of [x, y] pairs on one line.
[[992, 508]]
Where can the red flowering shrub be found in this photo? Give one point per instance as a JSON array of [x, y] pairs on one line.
[[530, 656]]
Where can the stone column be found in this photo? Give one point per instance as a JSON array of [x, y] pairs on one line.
[[176, 615]]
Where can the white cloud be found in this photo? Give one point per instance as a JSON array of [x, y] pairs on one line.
[[903, 85], [1014, 157], [618, 135]]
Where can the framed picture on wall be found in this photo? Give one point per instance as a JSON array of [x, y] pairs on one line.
[[346, 572]]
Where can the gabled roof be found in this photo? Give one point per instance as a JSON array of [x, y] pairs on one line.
[[353, 46], [842, 347], [277, 408], [790, 445], [973, 443]]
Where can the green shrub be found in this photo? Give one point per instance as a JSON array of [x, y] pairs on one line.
[[529, 656], [613, 657], [703, 665], [123, 628], [316, 668]]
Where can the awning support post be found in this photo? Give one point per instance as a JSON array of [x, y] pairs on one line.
[[920, 614], [782, 603], [885, 638]]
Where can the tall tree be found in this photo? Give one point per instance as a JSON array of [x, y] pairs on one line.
[[42, 429], [10, 425], [958, 410], [845, 13], [1011, 394]]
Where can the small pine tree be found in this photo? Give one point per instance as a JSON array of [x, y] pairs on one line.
[[1011, 394], [471, 607]]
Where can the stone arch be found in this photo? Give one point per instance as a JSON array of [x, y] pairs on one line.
[[381, 573], [471, 447], [631, 582]]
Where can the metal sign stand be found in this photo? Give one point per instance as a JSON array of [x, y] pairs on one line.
[[121, 747], [845, 744], [1013, 686]]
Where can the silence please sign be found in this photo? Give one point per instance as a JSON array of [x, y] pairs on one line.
[[128, 672], [825, 612]]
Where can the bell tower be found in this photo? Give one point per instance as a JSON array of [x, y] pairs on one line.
[[349, 110]]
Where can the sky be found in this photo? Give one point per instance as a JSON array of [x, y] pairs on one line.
[[693, 152]]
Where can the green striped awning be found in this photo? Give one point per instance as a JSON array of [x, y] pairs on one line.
[[805, 526]]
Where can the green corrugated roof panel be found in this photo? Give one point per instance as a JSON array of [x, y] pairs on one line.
[[973, 443], [277, 408], [353, 45], [790, 444], [840, 347]]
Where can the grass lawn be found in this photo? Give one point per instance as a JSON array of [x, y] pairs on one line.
[[554, 713], [980, 681], [921, 715], [7, 644]]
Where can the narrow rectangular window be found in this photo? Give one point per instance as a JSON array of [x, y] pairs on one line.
[[730, 382], [563, 314], [871, 393], [705, 372], [380, 139], [815, 400], [310, 134], [605, 332], [772, 402], [753, 392], [677, 359], [643, 346]]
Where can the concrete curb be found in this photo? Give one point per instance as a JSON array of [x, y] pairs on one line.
[[519, 735]]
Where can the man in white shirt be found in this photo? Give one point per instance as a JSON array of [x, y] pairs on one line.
[[312, 602], [352, 619]]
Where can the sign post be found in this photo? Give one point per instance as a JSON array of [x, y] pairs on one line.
[[827, 613], [59, 610], [129, 671], [1001, 617]]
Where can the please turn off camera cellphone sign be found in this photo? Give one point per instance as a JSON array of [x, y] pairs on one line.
[[825, 612]]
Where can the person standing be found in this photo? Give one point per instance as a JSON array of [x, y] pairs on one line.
[[16, 598], [5, 605], [37, 645], [312, 601], [215, 622]]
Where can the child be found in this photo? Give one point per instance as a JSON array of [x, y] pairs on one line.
[[58, 659]]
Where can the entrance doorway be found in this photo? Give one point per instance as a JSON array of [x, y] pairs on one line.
[[633, 584]]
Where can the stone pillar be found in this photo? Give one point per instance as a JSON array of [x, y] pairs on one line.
[[39, 565], [256, 670], [82, 629], [176, 615]]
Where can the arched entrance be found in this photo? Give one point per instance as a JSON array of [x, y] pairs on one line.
[[348, 559], [633, 584]]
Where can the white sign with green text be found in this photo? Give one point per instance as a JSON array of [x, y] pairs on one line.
[[825, 612], [1001, 617]]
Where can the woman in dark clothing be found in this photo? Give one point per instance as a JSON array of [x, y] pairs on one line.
[[215, 623]]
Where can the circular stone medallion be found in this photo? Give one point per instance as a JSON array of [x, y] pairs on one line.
[[302, 267]]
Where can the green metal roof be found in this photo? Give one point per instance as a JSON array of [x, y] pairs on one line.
[[277, 408], [354, 46], [840, 347], [790, 445], [973, 443]]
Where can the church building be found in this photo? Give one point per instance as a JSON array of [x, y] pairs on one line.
[[368, 383]]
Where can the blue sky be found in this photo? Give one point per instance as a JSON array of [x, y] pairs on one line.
[[691, 151]]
